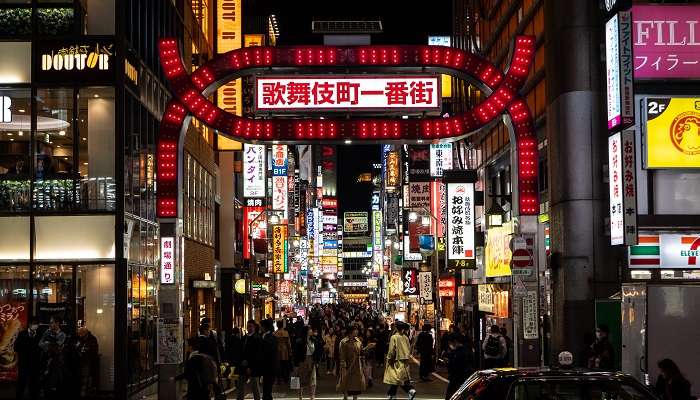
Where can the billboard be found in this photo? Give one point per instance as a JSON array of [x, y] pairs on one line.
[[229, 33], [460, 221], [623, 188], [440, 158], [498, 253], [354, 222], [666, 251], [619, 70], [666, 41], [342, 92], [673, 132], [254, 170], [279, 249]]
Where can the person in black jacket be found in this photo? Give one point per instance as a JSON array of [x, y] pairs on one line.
[[28, 364], [269, 350], [200, 372], [251, 362], [209, 343], [671, 384], [424, 346], [459, 365]]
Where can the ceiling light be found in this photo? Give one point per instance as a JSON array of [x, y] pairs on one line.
[[20, 133], [62, 133], [96, 95], [84, 138], [9, 133], [85, 163], [21, 110]]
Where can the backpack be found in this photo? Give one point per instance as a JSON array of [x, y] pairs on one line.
[[493, 346]]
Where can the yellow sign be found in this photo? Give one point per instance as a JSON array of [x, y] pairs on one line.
[[253, 39], [229, 97], [240, 286], [393, 169], [498, 252], [279, 249], [673, 133]]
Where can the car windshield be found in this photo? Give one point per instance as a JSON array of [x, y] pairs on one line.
[[576, 389]]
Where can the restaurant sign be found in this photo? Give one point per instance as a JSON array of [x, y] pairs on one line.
[[85, 60], [254, 170], [279, 249], [347, 92], [460, 221]]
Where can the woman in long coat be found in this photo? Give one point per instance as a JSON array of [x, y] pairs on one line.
[[397, 371], [352, 379]]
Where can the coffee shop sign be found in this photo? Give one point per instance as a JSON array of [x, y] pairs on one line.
[[78, 57]]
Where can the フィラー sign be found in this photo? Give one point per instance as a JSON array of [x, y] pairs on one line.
[[460, 221], [343, 92], [666, 40], [167, 260], [254, 170]]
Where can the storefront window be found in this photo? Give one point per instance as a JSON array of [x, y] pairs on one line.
[[142, 325], [95, 310], [54, 165], [15, 132], [96, 126], [53, 289], [14, 289]]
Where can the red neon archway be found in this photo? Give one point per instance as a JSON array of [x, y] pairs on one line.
[[190, 93]]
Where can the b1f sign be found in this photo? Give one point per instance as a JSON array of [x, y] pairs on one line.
[[167, 260], [343, 92]]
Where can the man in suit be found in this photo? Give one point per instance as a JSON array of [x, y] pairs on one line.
[[269, 350], [251, 362], [28, 365]]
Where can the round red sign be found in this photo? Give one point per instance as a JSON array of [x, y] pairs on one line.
[[521, 258]]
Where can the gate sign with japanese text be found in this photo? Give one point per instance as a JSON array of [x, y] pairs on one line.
[[254, 170], [343, 92], [460, 221]]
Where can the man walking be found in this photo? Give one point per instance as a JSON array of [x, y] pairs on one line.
[[284, 349], [459, 364], [424, 346], [269, 350], [251, 362], [28, 364]]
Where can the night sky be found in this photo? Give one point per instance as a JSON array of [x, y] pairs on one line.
[[411, 24]]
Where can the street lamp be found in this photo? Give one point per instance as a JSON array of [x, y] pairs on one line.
[[494, 215]]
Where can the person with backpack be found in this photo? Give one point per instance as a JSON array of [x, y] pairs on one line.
[[494, 348]]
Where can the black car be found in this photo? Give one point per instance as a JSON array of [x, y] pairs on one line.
[[551, 384]]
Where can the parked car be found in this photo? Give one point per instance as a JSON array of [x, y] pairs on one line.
[[551, 384]]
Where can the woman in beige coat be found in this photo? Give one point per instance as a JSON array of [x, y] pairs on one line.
[[352, 379], [397, 371]]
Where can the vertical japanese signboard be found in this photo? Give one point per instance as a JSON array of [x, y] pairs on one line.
[[419, 195], [253, 227], [393, 169], [623, 189], [619, 70], [438, 207], [447, 286], [409, 281], [530, 315], [377, 242], [440, 158], [229, 37], [254, 170], [280, 199], [425, 281], [167, 260], [279, 249], [460, 223]]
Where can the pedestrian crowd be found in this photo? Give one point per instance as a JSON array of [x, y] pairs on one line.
[[54, 365]]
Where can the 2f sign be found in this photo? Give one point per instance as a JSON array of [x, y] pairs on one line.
[[655, 108], [5, 109]]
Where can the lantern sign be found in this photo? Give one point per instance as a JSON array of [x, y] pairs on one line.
[[440, 158], [393, 169], [409, 281], [167, 260], [446, 287], [254, 170], [279, 249], [425, 280], [347, 92], [460, 221]]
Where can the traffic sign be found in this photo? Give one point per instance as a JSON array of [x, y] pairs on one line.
[[521, 258], [521, 271]]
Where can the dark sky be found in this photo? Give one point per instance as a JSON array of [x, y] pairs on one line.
[[403, 22]]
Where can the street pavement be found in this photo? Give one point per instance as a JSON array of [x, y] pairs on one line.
[[325, 390]]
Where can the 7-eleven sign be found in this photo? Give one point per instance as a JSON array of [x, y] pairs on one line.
[[679, 251]]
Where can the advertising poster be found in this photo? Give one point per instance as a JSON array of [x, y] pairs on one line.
[[169, 341], [673, 132], [498, 253], [13, 318]]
